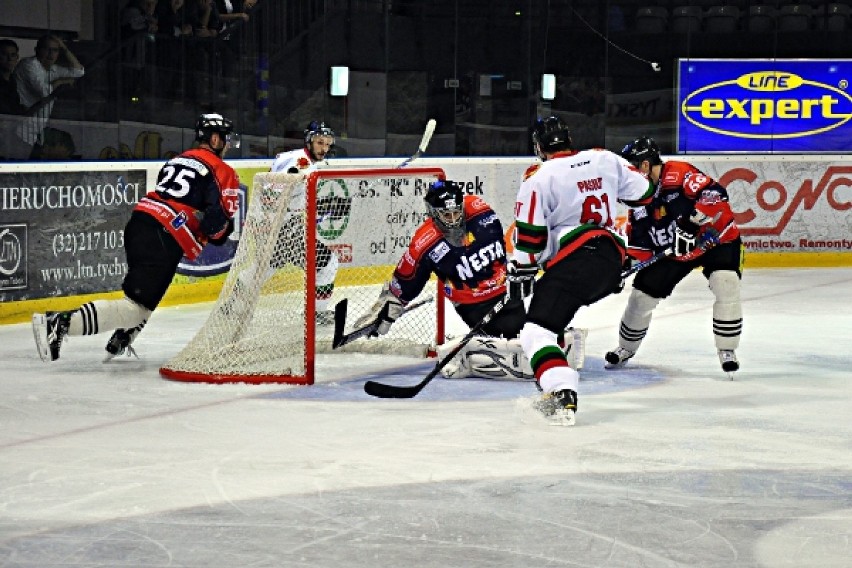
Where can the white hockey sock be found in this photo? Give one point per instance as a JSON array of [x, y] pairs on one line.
[[727, 309], [325, 282], [107, 315], [551, 370], [636, 319]]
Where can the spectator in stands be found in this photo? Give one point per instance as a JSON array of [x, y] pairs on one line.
[[138, 26], [39, 78], [204, 18], [234, 12], [233, 15], [171, 19], [173, 28], [10, 101]]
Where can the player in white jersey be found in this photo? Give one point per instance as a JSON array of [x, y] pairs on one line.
[[565, 224], [319, 138]]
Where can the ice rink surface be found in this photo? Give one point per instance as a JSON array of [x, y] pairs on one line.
[[669, 465]]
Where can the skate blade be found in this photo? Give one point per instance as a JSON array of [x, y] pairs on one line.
[[562, 417], [40, 335]]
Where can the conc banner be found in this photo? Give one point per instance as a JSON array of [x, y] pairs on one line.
[[763, 105]]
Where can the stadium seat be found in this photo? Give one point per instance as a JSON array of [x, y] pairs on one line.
[[686, 19], [795, 18], [721, 19], [837, 18], [761, 18], [651, 20]]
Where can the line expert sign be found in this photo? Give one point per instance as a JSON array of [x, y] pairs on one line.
[[764, 106]]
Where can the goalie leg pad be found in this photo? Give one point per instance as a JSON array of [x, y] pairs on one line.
[[489, 358], [497, 358], [575, 346], [457, 367], [636, 319], [727, 309]]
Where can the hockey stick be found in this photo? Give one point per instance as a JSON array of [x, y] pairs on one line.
[[381, 390], [341, 339], [646, 263], [424, 142]]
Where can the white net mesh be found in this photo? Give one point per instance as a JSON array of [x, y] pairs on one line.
[[258, 330]]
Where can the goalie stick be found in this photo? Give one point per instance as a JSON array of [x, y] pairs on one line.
[[382, 390], [341, 339], [424, 142]]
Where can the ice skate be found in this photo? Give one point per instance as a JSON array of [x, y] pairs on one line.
[[49, 330], [618, 357], [558, 407], [121, 343], [729, 362]]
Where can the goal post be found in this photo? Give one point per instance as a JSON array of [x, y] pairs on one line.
[[306, 243]]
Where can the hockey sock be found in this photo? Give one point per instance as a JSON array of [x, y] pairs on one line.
[[727, 309]]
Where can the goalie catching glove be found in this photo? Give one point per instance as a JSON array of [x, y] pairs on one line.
[[384, 312], [520, 279]]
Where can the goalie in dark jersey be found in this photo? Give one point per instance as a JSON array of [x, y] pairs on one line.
[[462, 243], [689, 213]]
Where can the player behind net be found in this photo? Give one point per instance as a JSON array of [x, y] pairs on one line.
[[461, 242], [290, 245], [691, 213], [193, 204]]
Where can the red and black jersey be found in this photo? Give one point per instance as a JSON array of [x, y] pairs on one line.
[[195, 199], [470, 273], [682, 189]]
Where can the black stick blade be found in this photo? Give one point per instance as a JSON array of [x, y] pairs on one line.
[[380, 390], [339, 322]]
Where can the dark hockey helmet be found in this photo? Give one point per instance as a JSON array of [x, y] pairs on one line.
[[317, 128], [445, 204], [209, 123], [642, 149], [550, 135]]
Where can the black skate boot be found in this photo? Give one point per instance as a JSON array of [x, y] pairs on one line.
[[50, 330], [121, 342], [618, 357]]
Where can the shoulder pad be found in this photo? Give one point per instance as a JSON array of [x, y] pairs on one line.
[[424, 238], [531, 170], [474, 205]]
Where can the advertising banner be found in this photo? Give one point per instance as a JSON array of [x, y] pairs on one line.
[[62, 232], [763, 106]]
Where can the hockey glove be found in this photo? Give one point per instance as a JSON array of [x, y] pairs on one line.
[[384, 312], [520, 280], [685, 237]]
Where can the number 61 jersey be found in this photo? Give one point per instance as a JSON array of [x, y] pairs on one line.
[[572, 198]]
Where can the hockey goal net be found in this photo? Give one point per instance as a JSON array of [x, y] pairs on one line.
[[265, 326]]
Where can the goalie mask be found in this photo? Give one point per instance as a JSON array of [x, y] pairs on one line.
[[550, 135], [640, 150], [445, 204]]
